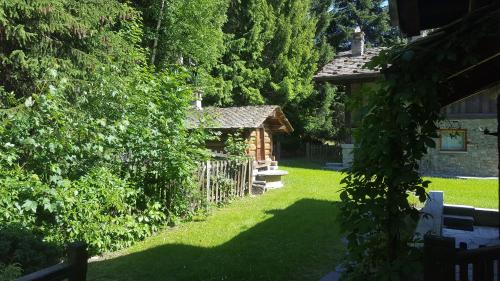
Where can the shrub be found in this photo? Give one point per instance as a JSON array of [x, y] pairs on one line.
[[100, 209], [21, 248], [91, 137], [10, 271]]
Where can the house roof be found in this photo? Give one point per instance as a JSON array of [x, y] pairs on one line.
[[346, 68], [242, 117]]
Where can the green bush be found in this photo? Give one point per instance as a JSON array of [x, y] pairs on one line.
[[10, 272], [91, 137], [100, 209], [22, 248]]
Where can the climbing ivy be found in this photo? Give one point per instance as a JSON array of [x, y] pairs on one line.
[[399, 124]]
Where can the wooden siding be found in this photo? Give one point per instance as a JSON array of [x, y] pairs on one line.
[[260, 144], [482, 105]]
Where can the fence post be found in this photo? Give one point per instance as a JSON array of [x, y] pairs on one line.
[[250, 176], [77, 258], [209, 168], [439, 253]]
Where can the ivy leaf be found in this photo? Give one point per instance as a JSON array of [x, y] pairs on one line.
[[430, 143]]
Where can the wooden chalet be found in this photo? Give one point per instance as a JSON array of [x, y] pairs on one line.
[[257, 124], [461, 143]]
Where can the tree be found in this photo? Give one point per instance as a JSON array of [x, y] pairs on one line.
[[85, 121], [322, 112], [184, 30], [270, 55], [67, 36], [370, 15]]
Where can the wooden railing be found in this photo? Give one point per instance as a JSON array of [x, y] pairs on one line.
[[220, 180], [74, 269], [444, 262]]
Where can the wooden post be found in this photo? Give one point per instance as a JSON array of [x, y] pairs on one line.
[[77, 257], [464, 267], [217, 172], [209, 192], [250, 176], [243, 172], [439, 253], [498, 146]]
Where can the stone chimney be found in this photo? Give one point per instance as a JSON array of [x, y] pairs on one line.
[[198, 97], [358, 42]]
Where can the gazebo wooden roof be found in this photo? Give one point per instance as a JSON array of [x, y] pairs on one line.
[[242, 117]]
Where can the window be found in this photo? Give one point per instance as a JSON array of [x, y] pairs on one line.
[[453, 140]]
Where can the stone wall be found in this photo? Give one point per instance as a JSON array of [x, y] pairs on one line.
[[480, 159]]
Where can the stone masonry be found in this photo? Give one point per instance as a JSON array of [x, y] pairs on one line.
[[480, 159]]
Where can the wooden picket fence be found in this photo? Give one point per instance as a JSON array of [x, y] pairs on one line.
[[221, 180], [444, 262], [323, 152]]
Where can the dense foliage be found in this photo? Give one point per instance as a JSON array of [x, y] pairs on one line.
[[269, 54], [399, 124], [93, 141], [94, 97], [371, 16]]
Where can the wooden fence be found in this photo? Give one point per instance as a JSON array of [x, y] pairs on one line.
[[74, 269], [444, 262], [323, 152], [221, 180]]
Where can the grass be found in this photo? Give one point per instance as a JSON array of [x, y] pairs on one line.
[[285, 234], [473, 192]]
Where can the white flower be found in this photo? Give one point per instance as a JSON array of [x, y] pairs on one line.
[[29, 102], [8, 145]]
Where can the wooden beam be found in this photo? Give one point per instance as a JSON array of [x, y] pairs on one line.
[[278, 128], [473, 80]]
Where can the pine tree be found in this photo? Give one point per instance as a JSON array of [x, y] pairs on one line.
[[370, 15], [69, 36], [270, 55]]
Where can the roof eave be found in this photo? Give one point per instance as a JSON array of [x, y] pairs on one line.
[[349, 79]]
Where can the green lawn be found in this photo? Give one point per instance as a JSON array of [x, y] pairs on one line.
[[473, 192], [286, 234]]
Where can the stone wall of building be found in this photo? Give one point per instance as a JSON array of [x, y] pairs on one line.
[[480, 159]]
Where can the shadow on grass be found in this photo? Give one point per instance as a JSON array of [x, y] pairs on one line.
[[297, 243]]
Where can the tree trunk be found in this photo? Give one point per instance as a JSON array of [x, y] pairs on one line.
[[157, 33]]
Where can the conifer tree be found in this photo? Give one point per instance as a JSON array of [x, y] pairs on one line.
[[270, 55], [370, 15]]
